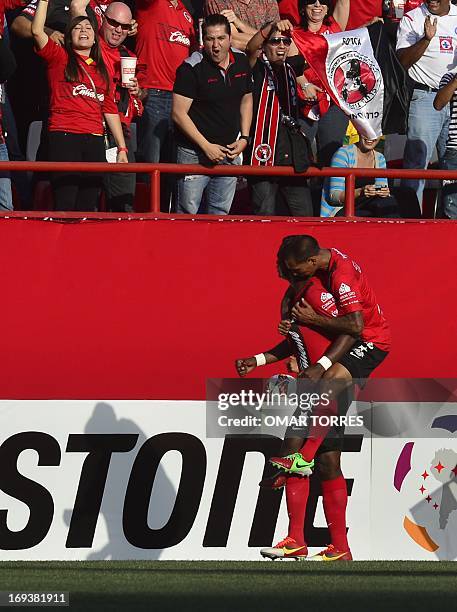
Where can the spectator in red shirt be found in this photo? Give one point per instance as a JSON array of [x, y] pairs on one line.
[[80, 98], [165, 37], [116, 25]]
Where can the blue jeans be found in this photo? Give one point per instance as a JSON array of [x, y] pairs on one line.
[[427, 128], [219, 190], [6, 199], [155, 127], [449, 191]]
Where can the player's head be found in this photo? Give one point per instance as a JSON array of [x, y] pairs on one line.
[[298, 258]]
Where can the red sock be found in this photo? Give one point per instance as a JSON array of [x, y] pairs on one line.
[[335, 497], [297, 491], [318, 432]]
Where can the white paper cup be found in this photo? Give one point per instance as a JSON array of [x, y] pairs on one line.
[[128, 69]]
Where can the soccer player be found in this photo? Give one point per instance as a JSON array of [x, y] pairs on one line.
[[359, 314], [307, 345]]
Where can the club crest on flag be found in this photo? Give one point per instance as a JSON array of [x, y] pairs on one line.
[[356, 79]]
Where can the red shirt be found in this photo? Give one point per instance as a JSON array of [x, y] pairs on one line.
[[75, 107], [317, 340], [331, 28], [363, 11], [7, 5], [165, 35], [288, 9], [346, 281]]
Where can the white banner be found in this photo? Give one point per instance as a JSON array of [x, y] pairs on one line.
[[355, 78], [139, 480]]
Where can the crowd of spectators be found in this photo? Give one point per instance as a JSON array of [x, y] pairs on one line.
[[216, 82]]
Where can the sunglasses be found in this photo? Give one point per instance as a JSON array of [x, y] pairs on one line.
[[277, 40], [323, 2], [115, 24]]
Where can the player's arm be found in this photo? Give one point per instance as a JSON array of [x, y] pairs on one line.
[[351, 323], [281, 351]]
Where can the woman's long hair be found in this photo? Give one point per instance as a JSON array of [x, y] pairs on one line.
[[304, 16], [73, 71]]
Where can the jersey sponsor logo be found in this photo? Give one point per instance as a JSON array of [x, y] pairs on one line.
[[326, 296], [82, 90], [187, 16], [344, 289], [179, 37], [446, 44]]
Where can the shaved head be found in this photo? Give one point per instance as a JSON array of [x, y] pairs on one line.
[[114, 28]]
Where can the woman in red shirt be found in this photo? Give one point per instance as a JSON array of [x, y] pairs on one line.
[[80, 99]]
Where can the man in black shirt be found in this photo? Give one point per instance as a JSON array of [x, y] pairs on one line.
[[209, 89], [276, 135]]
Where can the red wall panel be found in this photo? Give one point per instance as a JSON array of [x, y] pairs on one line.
[[149, 309]]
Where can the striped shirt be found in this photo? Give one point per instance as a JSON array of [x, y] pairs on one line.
[[452, 134], [345, 157]]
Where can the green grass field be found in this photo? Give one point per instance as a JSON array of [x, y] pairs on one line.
[[240, 586]]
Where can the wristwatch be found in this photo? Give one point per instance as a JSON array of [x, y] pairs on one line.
[[248, 139]]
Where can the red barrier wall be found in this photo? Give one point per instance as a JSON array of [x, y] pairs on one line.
[[149, 309]]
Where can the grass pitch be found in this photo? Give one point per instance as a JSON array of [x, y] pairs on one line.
[[228, 586]]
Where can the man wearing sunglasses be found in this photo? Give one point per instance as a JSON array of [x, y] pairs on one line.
[[276, 138]]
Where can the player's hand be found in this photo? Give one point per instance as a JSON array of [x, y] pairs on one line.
[[292, 365], [215, 153], [236, 148], [133, 28], [430, 28], [245, 365], [314, 373], [284, 327], [284, 26], [303, 313], [57, 37]]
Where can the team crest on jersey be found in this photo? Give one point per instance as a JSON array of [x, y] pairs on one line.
[[187, 16], [446, 44], [344, 289], [326, 296], [262, 152]]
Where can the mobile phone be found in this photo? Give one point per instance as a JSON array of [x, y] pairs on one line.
[[379, 187]]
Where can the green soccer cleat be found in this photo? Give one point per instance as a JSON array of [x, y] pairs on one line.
[[294, 464]]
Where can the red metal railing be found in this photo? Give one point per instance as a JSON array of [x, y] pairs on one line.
[[155, 170]]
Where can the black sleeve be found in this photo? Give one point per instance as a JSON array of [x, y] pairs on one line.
[[186, 82], [7, 61], [298, 64]]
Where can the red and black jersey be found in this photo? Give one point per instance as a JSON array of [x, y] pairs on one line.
[[316, 340], [346, 281], [75, 107], [165, 37]]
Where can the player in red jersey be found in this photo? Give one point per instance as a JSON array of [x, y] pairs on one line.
[[307, 345], [359, 315]]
